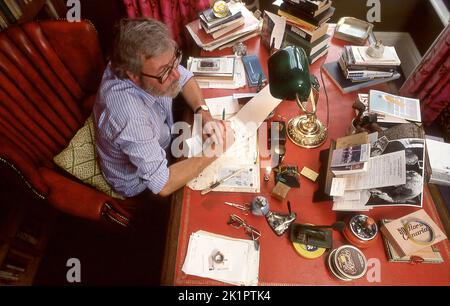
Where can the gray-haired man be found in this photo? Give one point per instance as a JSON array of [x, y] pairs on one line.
[[133, 112]]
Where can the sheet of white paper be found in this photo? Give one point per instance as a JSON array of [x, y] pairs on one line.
[[217, 105], [244, 151], [277, 34], [242, 259], [244, 95], [258, 108], [338, 186], [383, 170]]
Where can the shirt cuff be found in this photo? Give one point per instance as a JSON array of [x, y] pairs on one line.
[[158, 181]]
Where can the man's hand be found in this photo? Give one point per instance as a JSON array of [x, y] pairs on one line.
[[214, 129], [226, 140]]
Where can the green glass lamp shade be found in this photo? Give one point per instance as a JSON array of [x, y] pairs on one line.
[[289, 74]]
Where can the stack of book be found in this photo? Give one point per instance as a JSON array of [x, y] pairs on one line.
[[306, 25], [356, 69], [206, 68], [358, 66], [217, 27], [210, 32]]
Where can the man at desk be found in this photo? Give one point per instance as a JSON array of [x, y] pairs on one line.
[[133, 112]]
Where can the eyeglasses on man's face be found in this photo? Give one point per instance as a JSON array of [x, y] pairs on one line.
[[165, 74], [237, 222]]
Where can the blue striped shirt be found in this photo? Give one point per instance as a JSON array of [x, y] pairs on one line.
[[132, 130]]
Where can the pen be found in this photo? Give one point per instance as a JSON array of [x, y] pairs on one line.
[[223, 114]]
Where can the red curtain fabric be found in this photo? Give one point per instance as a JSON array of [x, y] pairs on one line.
[[430, 81], [174, 13]]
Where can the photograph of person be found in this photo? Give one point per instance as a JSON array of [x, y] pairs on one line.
[[410, 193]]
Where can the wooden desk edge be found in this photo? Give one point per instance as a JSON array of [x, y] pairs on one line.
[[170, 252]]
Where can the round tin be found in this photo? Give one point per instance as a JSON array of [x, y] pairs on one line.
[[361, 231], [331, 267], [308, 251], [349, 262]]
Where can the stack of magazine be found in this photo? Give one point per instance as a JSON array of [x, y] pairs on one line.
[[358, 66], [356, 69]]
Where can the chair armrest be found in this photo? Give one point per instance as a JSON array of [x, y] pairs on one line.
[[82, 201], [15, 158]]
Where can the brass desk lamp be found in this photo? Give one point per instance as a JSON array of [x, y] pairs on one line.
[[290, 79]]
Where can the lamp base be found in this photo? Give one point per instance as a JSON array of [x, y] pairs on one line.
[[305, 134]]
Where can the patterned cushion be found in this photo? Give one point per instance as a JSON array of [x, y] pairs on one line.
[[80, 159]]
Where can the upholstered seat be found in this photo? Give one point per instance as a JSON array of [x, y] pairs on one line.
[[49, 75]]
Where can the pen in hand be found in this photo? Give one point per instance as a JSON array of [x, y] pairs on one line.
[[223, 114]]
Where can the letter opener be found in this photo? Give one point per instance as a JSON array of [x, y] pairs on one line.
[[216, 184]]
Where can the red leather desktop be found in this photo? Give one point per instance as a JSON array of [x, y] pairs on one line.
[[279, 262]]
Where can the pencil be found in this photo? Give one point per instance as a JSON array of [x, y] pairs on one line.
[[223, 114]]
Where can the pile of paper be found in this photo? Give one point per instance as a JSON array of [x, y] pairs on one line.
[[238, 264], [244, 151], [394, 177]]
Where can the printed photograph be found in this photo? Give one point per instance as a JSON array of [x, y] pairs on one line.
[[410, 193], [378, 147]]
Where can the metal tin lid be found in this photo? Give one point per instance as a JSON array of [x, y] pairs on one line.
[[363, 227], [332, 269], [350, 262], [308, 251]]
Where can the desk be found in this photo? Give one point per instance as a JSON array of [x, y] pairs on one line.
[[279, 263]]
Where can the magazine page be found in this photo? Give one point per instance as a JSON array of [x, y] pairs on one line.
[[392, 105]]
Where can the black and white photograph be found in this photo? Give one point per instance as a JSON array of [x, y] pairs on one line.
[[378, 147], [410, 193]]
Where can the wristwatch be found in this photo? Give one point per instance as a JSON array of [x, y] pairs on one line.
[[200, 108]]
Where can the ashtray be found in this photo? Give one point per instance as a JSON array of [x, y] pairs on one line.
[[353, 30]]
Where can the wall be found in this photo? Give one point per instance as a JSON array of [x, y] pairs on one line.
[[416, 17]]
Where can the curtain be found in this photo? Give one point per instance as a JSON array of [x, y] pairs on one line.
[[430, 80], [174, 13]]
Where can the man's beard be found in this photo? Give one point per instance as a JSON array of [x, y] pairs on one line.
[[172, 91]]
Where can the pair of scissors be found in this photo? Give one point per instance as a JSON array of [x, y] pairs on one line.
[[245, 207]]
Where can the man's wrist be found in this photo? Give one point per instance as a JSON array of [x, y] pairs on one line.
[[200, 108]]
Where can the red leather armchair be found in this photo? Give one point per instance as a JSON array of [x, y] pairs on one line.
[[49, 75]]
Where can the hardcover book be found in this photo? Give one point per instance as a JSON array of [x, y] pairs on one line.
[[310, 48]]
